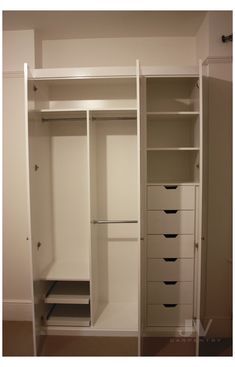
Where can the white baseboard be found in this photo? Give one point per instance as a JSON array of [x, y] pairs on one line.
[[17, 310]]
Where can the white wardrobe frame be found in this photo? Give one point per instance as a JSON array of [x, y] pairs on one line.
[[139, 73]]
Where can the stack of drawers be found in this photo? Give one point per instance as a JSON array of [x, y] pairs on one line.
[[170, 254]]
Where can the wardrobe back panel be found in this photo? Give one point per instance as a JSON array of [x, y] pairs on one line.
[[116, 164], [70, 190]]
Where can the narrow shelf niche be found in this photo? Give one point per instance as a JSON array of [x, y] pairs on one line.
[[69, 293], [173, 131], [172, 166], [172, 94]]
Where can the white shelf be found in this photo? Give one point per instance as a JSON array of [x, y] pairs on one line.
[[173, 113], [67, 270], [76, 113], [69, 293], [118, 316], [69, 315], [177, 148], [172, 183]]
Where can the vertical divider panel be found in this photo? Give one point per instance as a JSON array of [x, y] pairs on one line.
[[138, 104], [143, 200], [91, 136]]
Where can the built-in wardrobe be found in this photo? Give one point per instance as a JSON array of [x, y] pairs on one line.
[[115, 162]]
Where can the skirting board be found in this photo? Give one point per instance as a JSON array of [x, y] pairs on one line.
[[17, 310]]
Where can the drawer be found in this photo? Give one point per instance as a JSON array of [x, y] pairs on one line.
[[171, 221], [170, 292], [171, 197], [170, 245], [159, 315], [162, 270]]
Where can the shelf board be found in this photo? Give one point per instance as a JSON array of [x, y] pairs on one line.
[[172, 116], [80, 114], [172, 183], [69, 315], [173, 113], [118, 316], [176, 148], [69, 293], [67, 270]]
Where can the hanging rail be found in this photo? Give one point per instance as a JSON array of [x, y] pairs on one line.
[[113, 221]]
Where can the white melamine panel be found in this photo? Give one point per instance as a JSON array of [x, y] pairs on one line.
[[116, 165], [118, 316], [169, 292], [180, 246], [70, 200], [172, 130], [172, 94], [69, 293], [16, 254], [171, 197], [69, 315], [172, 166], [162, 270], [68, 269], [181, 222], [159, 315]]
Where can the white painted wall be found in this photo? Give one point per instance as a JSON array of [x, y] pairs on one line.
[[119, 51], [18, 47]]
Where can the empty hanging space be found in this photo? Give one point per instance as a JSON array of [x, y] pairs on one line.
[[69, 180], [114, 197]]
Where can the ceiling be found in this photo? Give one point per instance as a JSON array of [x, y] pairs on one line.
[[105, 24]]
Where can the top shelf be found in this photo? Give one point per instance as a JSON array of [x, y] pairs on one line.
[[182, 115]]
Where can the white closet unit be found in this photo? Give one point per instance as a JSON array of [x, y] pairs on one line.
[[84, 169], [172, 181], [115, 200]]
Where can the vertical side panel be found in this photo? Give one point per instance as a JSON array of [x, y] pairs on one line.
[[39, 200], [199, 214], [94, 275], [29, 104], [138, 201]]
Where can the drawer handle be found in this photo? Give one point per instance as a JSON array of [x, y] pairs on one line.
[[170, 211], [170, 282], [170, 305], [170, 187], [170, 258], [170, 235]]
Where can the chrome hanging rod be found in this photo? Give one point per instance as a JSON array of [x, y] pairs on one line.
[[84, 118], [113, 221]]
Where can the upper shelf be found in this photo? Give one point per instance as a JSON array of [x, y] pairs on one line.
[[57, 114]]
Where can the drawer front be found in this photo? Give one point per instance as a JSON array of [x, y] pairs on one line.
[[161, 270], [179, 222], [171, 197], [170, 245], [170, 292], [159, 315]]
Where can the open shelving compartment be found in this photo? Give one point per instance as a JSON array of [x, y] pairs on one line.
[[172, 130]]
